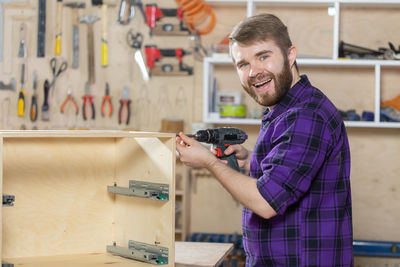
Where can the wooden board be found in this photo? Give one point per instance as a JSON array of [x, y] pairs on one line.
[[201, 253]]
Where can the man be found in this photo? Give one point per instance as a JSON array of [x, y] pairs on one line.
[[297, 201]]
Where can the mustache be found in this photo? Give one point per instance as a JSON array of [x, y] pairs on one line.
[[259, 77]]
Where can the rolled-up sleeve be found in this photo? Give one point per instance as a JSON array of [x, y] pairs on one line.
[[299, 143]]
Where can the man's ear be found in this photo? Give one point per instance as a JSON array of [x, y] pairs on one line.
[[292, 54]]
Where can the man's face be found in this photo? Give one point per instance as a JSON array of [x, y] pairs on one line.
[[264, 72]]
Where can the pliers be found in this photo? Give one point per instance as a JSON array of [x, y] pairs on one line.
[[124, 101], [72, 99], [88, 98], [107, 99]]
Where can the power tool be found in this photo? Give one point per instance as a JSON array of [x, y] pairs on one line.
[[154, 54], [222, 137], [154, 14]]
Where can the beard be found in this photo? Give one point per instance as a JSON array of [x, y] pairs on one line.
[[282, 82]]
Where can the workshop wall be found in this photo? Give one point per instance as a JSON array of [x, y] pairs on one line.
[[150, 102], [374, 170]]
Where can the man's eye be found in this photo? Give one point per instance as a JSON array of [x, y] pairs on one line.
[[263, 57], [241, 66]]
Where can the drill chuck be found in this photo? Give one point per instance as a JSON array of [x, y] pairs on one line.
[[221, 136]]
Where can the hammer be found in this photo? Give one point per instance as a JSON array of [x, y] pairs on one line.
[[89, 20], [75, 38], [104, 43]]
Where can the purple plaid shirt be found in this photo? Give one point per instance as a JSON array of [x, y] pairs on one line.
[[302, 165]]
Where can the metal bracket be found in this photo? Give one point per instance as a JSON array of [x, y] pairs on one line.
[[8, 200], [141, 252], [142, 189]]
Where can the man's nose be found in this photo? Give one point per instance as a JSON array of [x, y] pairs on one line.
[[255, 69]]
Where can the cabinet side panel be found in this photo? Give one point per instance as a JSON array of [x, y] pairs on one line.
[[375, 183], [149, 159], [61, 200]]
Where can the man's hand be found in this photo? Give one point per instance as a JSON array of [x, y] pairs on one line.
[[194, 154], [243, 156]]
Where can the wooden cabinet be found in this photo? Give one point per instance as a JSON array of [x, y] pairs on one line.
[[70, 196]]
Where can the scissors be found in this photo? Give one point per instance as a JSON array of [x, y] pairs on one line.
[[135, 41], [56, 73]]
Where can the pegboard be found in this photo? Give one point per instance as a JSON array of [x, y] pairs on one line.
[[162, 97]]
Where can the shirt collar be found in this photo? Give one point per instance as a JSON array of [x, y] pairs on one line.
[[291, 97]]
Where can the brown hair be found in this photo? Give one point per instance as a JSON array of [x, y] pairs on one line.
[[261, 27]]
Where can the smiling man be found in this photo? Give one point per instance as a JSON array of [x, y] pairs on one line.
[[297, 199]]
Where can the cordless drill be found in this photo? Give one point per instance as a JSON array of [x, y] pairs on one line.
[[222, 137]]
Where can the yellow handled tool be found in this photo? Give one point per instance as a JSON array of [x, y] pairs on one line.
[[21, 96], [57, 50]]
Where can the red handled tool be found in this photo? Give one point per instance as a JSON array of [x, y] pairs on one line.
[[124, 101], [71, 99], [88, 99], [107, 100]]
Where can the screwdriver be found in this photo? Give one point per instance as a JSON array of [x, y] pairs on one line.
[[21, 96], [34, 106]]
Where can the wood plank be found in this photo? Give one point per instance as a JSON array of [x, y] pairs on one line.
[[201, 253]]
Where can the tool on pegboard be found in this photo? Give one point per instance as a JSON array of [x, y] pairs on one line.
[[135, 40], [45, 106], [104, 32], [62, 67], [22, 37], [8, 86], [2, 25], [88, 100], [75, 31], [21, 94], [127, 11], [57, 48], [154, 54], [124, 102], [90, 20], [154, 14], [107, 102], [34, 106], [69, 98], [41, 29]]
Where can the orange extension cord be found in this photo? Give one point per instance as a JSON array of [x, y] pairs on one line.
[[196, 13]]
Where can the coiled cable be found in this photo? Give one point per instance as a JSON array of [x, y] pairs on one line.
[[198, 15]]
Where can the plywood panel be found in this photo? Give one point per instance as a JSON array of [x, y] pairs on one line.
[[310, 27], [374, 183], [371, 27], [145, 220], [62, 205]]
